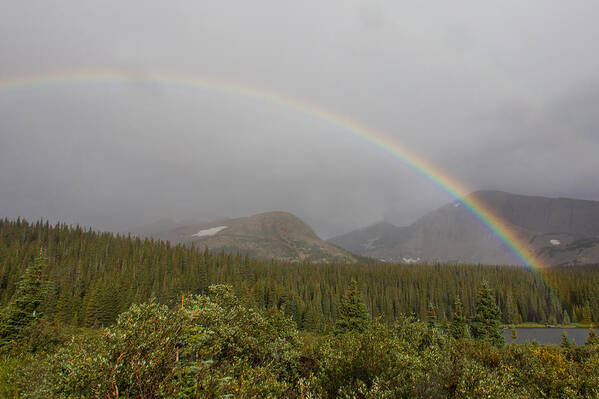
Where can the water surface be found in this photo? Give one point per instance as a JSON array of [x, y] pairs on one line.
[[546, 336]]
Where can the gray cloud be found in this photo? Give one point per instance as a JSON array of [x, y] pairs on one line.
[[501, 96]]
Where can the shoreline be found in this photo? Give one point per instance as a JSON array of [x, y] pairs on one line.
[[548, 326]]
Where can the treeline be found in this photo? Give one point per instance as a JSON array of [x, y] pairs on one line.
[[95, 276]]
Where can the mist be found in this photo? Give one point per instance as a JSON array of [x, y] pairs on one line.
[[500, 96]]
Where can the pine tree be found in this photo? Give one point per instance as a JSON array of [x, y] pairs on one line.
[[431, 315], [64, 308], [485, 324], [587, 316], [458, 327], [592, 339], [510, 312], [92, 308], [566, 344], [352, 313], [308, 320], [566, 319], [31, 292], [32, 288]]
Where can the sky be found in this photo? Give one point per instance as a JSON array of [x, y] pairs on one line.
[[499, 95]]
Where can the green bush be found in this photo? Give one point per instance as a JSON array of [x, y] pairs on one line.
[[396, 361], [214, 346], [233, 349], [130, 359]]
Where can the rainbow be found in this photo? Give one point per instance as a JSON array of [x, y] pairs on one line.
[[452, 186]]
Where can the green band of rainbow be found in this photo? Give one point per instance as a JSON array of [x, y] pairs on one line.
[[499, 227]]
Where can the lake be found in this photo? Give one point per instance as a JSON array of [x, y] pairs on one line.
[[547, 336]]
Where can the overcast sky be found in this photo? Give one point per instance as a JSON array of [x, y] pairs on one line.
[[500, 95]]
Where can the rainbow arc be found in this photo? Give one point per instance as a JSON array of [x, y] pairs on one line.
[[451, 185]]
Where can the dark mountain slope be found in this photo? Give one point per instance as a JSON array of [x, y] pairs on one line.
[[562, 231]]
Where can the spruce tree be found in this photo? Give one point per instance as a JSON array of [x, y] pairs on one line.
[[587, 316], [485, 324], [29, 296], [592, 339], [63, 308], [566, 320], [565, 344], [458, 327], [92, 308], [431, 315], [352, 313]]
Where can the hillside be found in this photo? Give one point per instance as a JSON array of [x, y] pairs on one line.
[[562, 231], [271, 235]]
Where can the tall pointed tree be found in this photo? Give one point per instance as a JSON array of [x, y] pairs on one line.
[[431, 315], [587, 315], [486, 321], [565, 342], [458, 328], [31, 292], [352, 313]]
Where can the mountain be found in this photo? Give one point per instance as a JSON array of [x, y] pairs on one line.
[[562, 231], [271, 235]]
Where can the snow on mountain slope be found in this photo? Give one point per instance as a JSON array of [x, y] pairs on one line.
[[209, 232]]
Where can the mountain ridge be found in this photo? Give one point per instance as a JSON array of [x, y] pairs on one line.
[[562, 231], [276, 235]]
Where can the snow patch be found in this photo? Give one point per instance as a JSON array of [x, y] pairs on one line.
[[209, 232], [555, 242], [410, 260]]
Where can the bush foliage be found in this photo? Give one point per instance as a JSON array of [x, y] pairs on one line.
[[215, 346]]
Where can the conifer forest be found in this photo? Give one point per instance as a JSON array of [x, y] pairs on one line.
[[98, 315]]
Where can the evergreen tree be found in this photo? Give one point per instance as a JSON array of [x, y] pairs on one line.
[[587, 316], [592, 339], [566, 319], [31, 292], [353, 315], [566, 344], [92, 308], [431, 315], [63, 308], [485, 324], [458, 327], [509, 312], [308, 320]]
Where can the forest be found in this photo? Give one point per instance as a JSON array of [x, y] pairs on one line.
[[95, 276], [98, 315]]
